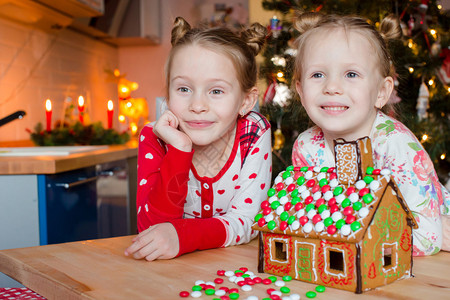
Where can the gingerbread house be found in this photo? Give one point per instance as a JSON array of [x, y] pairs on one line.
[[346, 227]]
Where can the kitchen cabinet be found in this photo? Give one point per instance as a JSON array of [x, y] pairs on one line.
[[19, 215], [85, 201], [125, 23]]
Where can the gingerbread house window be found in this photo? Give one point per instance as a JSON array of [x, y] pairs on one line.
[[336, 260], [387, 256], [280, 251]]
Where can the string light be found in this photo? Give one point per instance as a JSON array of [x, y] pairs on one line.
[[424, 138], [439, 6], [278, 61], [121, 118], [133, 128], [443, 156], [410, 43], [411, 69], [124, 89], [280, 74], [433, 33], [430, 82]]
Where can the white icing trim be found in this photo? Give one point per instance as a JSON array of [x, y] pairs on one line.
[[271, 242], [327, 270], [393, 267]]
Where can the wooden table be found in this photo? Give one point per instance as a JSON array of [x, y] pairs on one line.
[[97, 269]]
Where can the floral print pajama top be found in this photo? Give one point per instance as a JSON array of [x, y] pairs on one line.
[[394, 147]]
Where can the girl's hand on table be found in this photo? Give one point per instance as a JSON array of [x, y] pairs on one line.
[[159, 241]]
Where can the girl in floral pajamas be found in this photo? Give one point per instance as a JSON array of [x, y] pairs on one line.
[[342, 75]]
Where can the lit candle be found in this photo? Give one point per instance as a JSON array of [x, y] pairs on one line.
[[81, 108], [48, 114], [110, 113]]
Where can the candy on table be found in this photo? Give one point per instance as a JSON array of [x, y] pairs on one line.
[[320, 289], [245, 279], [311, 294], [196, 294]]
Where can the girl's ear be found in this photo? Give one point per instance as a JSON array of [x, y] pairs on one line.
[[298, 88], [249, 101], [385, 92]]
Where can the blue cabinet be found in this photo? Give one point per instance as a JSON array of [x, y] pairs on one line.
[[87, 203], [69, 204]]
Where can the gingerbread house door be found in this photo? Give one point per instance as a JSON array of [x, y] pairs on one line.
[[304, 261]]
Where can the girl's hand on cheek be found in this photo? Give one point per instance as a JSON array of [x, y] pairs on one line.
[[166, 128], [159, 241]]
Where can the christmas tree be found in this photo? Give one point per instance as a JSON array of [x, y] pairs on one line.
[[421, 60]]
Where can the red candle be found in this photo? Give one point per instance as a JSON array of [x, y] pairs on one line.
[[81, 109], [48, 114], [110, 113]]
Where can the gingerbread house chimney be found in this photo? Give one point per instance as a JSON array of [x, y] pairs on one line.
[[351, 164]]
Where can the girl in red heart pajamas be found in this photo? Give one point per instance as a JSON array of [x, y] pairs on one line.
[[204, 167]]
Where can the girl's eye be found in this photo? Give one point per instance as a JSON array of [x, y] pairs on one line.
[[183, 89], [317, 75], [351, 75], [216, 92]]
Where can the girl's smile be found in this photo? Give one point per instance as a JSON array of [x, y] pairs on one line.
[[199, 124], [334, 108]]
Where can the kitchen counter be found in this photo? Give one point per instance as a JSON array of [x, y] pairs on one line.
[[49, 164]]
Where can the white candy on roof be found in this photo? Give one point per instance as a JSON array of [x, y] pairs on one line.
[[289, 180], [319, 227], [325, 214], [279, 210], [360, 184], [385, 172], [363, 212], [374, 185], [345, 230], [295, 225], [307, 227], [284, 200]]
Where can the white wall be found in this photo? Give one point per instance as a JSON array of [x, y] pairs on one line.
[[35, 65]]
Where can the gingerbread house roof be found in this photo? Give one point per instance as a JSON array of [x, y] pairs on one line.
[[328, 203]]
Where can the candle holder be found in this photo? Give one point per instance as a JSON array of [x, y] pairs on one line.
[[77, 134]]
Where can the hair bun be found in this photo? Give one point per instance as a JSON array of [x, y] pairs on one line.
[[390, 28], [307, 20], [255, 37], [180, 28]]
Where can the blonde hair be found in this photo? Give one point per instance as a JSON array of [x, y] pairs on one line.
[[311, 22], [241, 47]]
